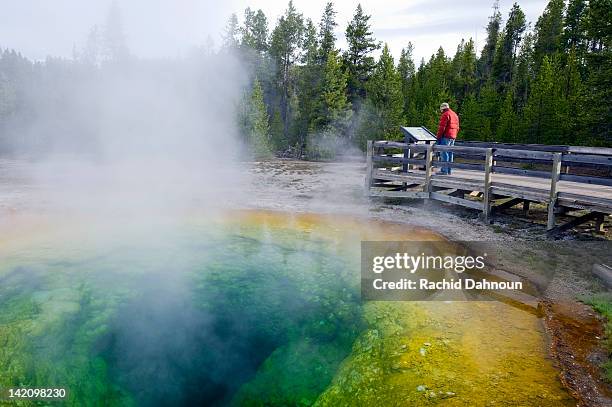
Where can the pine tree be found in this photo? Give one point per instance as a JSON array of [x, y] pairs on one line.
[[327, 38], [488, 102], [434, 88], [230, 36], [463, 70], [333, 111], [255, 30], [114, 41], [506, 129], [597, 106], [384, 100], [485, 63], [573, 93], [259, 129], [285, 46], [524, 72], [406, 71], [277, 129], [471, 120], [309, 83], [574, 32], [598, 25], [333, 107], [549, 30], [541, 116], [503, 65], [92, 53], [358, 58]]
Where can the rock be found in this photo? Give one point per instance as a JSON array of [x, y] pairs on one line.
[[422, 352], [421, 387], [447, 394]]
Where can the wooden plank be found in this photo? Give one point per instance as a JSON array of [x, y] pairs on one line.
[[462, 166], [456, 149], [398, 145], [369, 165], [573, 223], [515, 191], [526, 207], [585, 206], [521, 172], [590, 150], [525, 154], [420, 147], [397, 160], [599, 223], [399, 194], [428, 167], [406, 157], [585, 202], [517, 160], [390, 144], [486, 204], [454, 200], [529, 147], [508, 204], [552, 201], [583, 179], [458, 183], [400, 177], [587, 159], [572, 191], [586, 199]]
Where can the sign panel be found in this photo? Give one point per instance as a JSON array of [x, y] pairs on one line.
[[416, 134]]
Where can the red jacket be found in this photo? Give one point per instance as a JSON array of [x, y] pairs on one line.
[[449, 125]]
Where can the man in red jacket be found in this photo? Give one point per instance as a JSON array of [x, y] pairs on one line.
[[447, 133]]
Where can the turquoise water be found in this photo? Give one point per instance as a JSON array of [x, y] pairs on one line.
[[189, 315], [253, 309]]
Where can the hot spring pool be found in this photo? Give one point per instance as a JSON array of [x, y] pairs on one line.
[[259, 308]]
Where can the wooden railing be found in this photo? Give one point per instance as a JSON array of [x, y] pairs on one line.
[[532, 174]]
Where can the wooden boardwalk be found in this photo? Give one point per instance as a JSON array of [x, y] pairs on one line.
[[490, 179]]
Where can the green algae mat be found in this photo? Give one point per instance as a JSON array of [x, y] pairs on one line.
[[255, 309]]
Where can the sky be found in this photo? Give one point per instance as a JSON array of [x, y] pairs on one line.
[[154, 28]]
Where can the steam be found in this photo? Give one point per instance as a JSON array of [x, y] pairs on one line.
[[120, 144], [143, 134], [131, 134]]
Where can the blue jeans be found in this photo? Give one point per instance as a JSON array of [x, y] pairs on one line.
[[446, 156]]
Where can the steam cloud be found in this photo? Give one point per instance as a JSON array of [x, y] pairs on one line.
[[111, 131]]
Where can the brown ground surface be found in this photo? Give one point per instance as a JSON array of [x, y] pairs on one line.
[[575, 335]]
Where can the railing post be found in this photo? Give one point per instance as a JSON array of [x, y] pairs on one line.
[[554, 180], [525, 207], [428, 168], [368, 180], [486, 205], [405, 164]]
